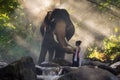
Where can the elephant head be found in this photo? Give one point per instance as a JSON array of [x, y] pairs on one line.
[[53, 17], [46, 23]]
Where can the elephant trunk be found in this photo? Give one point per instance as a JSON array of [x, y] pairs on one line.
[[60, 32]]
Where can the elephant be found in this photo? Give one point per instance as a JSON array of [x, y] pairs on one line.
[[57, 23], [63, 29]]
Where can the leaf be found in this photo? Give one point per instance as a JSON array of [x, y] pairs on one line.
[[116, 29]]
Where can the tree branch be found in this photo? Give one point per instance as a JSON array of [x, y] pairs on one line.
[[113, 10]]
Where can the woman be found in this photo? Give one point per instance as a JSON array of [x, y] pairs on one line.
[[77, 56]]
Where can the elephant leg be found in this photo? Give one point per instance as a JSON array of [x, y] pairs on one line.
[[51, 54], [42, 55], [59, 52], [59, 55]]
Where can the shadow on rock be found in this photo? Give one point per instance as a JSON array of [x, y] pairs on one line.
[[62, 62], [23, 69], [88, 73]]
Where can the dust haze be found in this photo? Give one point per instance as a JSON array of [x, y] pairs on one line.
[[91, 25]]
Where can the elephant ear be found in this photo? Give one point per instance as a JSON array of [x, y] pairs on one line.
[[70, 30], [45, 23], [42, 29]]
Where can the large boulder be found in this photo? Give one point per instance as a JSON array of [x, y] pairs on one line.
[[108, 68], [38, 70], [48, 68], [3, 64], [88, 73], [116, 67], [117, 58], [62, 62], [118, 76], [99, 64], [66, 69], [23, 69], [93, 62]]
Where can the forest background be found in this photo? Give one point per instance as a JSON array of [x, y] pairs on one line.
[[97, 24]]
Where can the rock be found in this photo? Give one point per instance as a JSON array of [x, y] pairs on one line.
[[93, 63], [113, 71], [3, 64], [49, 68], [118, 76], [114, 65], [117, 58], [88, 73], [49, 64], [94, 59], [62, 62], [67, 69], [118, 69], [48, 77], [39, 78], [23, 69], [101, 65], [38, 70]]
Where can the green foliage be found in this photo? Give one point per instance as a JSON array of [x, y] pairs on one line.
[[110, 49], [8, 6], [13, 22], [103, 4], [115, 2], [6, 31], [6, 27], [112, 45]]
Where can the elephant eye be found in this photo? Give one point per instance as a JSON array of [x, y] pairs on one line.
[[52, 20]]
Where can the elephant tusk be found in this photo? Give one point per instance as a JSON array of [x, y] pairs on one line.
[[55, 38]]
